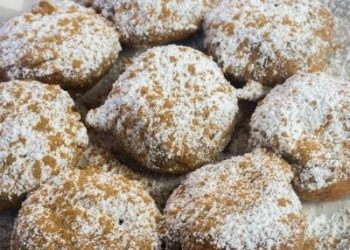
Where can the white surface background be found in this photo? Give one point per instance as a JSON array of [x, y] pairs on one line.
[[10, 8], [16, 4]]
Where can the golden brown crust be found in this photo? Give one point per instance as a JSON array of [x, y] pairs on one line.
[[331, 193], [80, 85]]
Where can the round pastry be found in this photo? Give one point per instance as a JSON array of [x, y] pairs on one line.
[[61, 43], [246, 202], [328, 231], [268, 40], [7, 219], [159, 186], [306, 120], [150, 22], [87, 209], [171, 111], [40, 135]]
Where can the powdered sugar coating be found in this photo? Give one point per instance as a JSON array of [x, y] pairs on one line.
[[339, 61], [210, 4], [307, 121], [151, 21], [330, 231], [40, 135], [268, 40], [159, 186], [58, 43], [85, 209], [253, 91], [245, 202], [172, 110]]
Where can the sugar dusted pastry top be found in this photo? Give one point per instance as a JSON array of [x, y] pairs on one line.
[[245, 202], [40, 135], [58, 42], [159, 186], [268, 40], [85, 209], [172, 110], [306, 120], [151, 21], [328, 231]]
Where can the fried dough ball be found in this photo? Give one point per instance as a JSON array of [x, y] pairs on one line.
[[58, 42], [87, 209], [268, 40], [306, 120], [246, 202], [171, 111], [40, 135]]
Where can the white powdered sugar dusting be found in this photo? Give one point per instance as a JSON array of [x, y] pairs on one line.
[[58, 42], [253, 91], [83, 209], [144, 21], [159, 186], [245, 202], [40, 136], [339, 60], [268, 41], [171, 110], [328, 231], [307, 121]]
